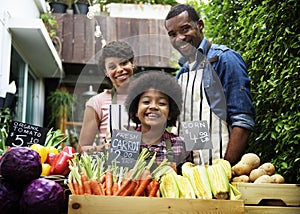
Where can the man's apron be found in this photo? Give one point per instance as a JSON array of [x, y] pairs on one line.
[[196, 107]]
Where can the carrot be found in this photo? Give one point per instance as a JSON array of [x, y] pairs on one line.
[[108, 182], [142, 186], [115, 187], [71, 188], [102, 179], [128, 191], [155, 187], [81, 189], [76, 188], [138, 182], [125, 184], [96, 187], [149, 187], [86, 184]]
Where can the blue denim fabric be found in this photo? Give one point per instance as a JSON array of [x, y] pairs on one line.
[[233, 74]]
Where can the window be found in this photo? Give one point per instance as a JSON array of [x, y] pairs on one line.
[[27, 105]]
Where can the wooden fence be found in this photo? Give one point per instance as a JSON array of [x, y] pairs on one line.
[[148, 38]]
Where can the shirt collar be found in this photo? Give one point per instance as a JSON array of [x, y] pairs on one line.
[[202, 46]]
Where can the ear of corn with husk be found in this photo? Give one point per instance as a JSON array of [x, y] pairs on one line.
[[197, 175], [226, 166], [185, 188], [202, 182], [219, 182], [168, 186]]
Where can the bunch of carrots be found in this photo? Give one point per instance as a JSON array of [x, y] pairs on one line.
[[90, 175]]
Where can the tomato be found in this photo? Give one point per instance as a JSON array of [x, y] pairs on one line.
[[41, 150]]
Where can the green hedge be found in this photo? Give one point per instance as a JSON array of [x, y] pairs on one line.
[[267, 34]]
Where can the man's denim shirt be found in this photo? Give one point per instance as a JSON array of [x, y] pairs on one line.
[[233, 74]]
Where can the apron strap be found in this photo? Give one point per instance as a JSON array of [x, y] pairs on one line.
[[213, 59]]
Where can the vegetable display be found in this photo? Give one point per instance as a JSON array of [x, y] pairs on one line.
[[21, 188], [91, 175]]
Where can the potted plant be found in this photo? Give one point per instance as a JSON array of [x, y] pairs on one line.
[[61, 102], [59, 6], [81, 6]]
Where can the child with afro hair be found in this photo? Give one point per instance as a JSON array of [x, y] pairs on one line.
[[154, 102]]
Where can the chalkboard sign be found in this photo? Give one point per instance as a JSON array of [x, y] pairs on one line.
[[23, 134], [196, 135], [124, 147]]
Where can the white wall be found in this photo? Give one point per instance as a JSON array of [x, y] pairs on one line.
[[15, 9]]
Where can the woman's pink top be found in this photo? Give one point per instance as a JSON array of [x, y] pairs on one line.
[[100, 103]]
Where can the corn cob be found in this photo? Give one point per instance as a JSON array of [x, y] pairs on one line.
[[234, 193], [219, 182], [202, 182], [185, 188], [168, 186], [226, 166], [187, 171]]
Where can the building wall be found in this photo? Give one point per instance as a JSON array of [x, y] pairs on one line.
[[23, 10]]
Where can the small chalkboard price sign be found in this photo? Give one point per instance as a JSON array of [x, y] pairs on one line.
[[23, 134], [124, 147], [196, 135]]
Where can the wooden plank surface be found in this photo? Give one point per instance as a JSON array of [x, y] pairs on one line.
[[148, 38], [90, 204], [271, 210], [251, 193], [79, 38], [67, 39]]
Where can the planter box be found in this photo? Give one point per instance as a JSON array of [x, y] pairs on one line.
[[139, 11], [116, 204], [270, 198]]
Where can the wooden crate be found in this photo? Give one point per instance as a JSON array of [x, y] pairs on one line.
[[270, 198], [91, 204]]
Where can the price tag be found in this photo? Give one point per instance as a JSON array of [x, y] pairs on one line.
[[23, 134], [124, 147], [196, 135]]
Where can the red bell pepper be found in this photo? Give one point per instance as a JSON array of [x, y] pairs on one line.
[[50, 158], [69, 149], [60, 165]]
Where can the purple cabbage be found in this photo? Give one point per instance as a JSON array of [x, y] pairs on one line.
[[20, 165], [42, 196], [9, 198]]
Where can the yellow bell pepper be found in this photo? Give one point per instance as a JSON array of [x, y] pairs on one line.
[[41, 150], [45, 169], [52, 149]]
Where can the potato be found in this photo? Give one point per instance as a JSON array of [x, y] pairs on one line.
[[263, 179], [241, 169], [268, 167], [241, 178], [256, 173], [278, 179], [251, 159]]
